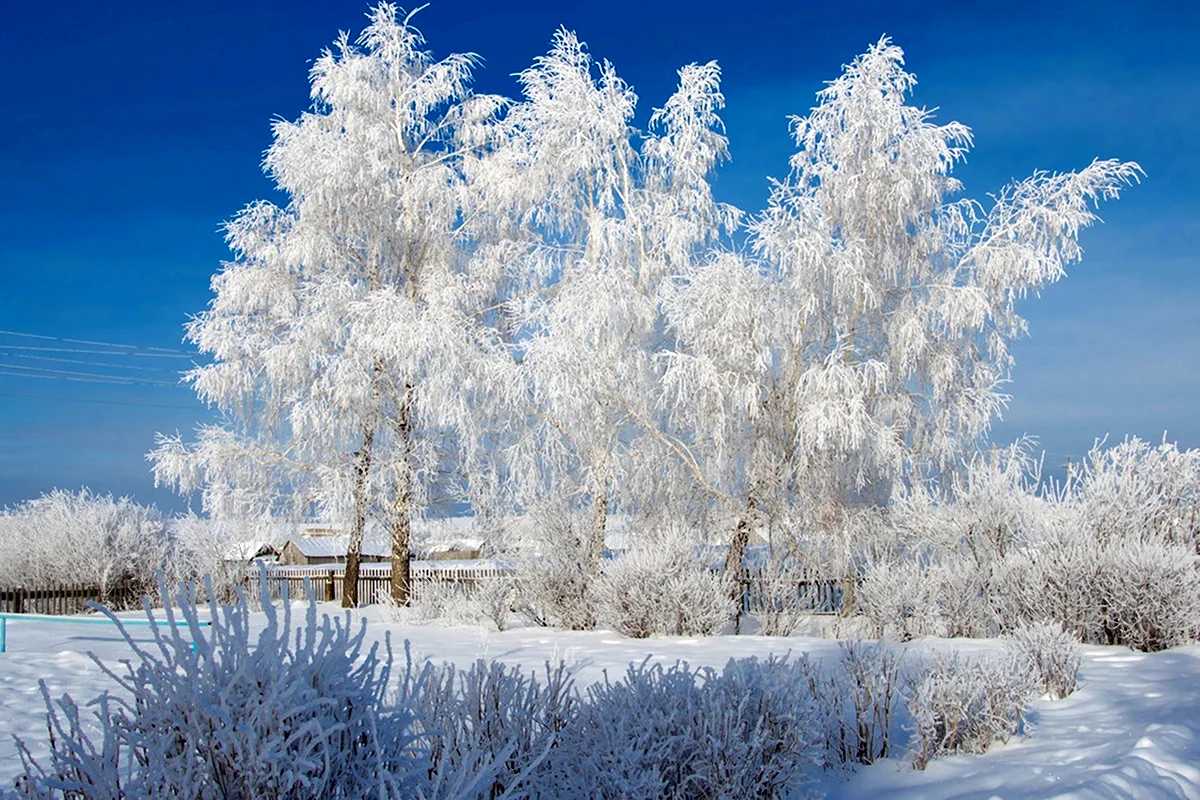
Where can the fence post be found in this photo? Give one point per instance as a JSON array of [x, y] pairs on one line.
[[329, 588]]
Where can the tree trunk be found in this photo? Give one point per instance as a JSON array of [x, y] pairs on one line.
[[741, 538], [362, 469], [599, 528], [402, 504], [599, 521]]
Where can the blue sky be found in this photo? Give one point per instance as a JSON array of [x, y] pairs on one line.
[[135, 129]]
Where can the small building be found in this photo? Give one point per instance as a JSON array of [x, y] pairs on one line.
[[251, 551], [331, 549]]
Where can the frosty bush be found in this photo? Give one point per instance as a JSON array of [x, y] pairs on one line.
[[1051, 653], [858, 700], [555, 586], [961, 704], [957, 600], [492, 718], [1150, 594], [81, 537], [892, 599], [782, 612], [202, 547], [490, 600], [495, 598], [1015, 594], [1134, 489], [675, 732], [662, 588], [447, 602], [275, 717]]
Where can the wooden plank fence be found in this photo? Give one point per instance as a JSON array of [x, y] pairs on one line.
[[761, 589], [63, 599], [803, 590], [374, 580]]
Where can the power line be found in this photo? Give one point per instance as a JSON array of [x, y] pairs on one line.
[[99, 402], [85, 362], [82, 377], [92, 342], [31, 348]]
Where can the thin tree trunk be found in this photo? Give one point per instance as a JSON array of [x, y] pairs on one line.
[[402, 504], [599, 529], [599, 524], [741, 538], [362, 469]]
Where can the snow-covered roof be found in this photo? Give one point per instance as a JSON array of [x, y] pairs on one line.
[[335, 546], [244, 551]]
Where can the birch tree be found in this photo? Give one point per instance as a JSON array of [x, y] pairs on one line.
[[344, 334], [603, 216], [863, 336]]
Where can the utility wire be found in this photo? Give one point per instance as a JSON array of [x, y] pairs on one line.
[[98, 402], [82, 377], [31, 348], [92, 342], [85, 362]]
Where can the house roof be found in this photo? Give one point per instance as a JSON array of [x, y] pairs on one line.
[[246, 551], [335, 546]]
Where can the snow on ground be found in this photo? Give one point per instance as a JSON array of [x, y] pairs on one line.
[[1132, 730]]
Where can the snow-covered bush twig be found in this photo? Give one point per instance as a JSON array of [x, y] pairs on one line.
[[492, 718], [236, 717], [662, 588], [960, 704], [675, 732], [1051, 653]]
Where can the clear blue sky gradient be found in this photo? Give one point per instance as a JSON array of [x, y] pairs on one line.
[[133, 130]]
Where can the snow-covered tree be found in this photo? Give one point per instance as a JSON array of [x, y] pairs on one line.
[[346, 334], [81, 537], [864, 336], [603, 216]]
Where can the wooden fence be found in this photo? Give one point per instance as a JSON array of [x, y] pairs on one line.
[[64, 599], [374, 580], [761, 589]]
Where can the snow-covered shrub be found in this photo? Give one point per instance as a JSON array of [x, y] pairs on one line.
[[1150, 592], [1134, 489], [80, 537], [454, 603], [662, 588], [957, 600], [893, 599], [858, 700], [492, 718], [447, 602], [1065, 572], [289, 714], [495, 599], [202, 547], [674, 732], [1015, 592], [782, 612], [996, 506], [1051, 653], [555, 588], [1141, 593], [961, 704]]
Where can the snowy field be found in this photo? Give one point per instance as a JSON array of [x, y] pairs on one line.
[[1131, 731]]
